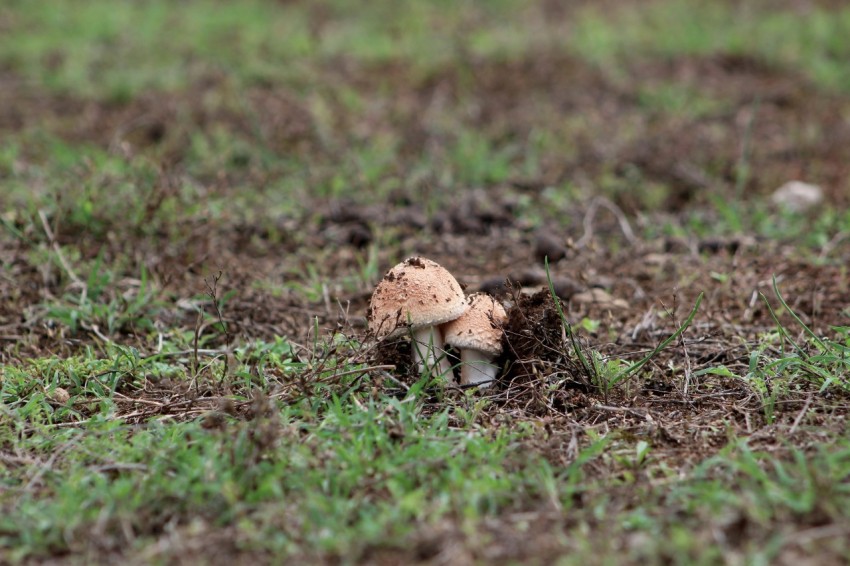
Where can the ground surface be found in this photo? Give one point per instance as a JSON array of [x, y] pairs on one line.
[[197, 200]]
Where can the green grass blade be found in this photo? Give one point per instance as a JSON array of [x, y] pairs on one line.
[[637, 365], [590, 369], [808, 330], [782, 331]]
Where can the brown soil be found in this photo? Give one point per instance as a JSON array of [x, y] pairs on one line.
[[632, 293], [479, 238]]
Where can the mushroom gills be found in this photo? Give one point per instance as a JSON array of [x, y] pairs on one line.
[[477, 368], [428, 352]]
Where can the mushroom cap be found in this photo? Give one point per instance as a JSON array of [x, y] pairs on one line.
[[480, 327], [415, 293]]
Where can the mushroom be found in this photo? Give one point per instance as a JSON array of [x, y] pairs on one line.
[[417, 295], [478, 335]]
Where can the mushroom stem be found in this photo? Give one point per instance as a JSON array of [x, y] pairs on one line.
[[427, 345], [477, 367]]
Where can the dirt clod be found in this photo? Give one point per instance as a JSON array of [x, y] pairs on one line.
[[534, 340]]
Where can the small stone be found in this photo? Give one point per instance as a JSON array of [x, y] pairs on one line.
[[547, 245], [601, 298], [59, 395], [797, 196], [657, 259], [494, 286], [214, 420], [565, 287]]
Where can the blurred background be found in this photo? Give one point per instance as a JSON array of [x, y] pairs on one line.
[[299, 142], [657, 105]]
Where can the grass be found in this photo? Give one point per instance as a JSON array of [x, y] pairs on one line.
[[672, 28], [340, 474], [119, 51], [197, 198], [260, 488], [329, 474]]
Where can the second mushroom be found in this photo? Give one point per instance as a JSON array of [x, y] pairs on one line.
[[477, 333]]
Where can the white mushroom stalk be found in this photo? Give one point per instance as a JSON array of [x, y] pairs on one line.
[[477, 368], [428, 353], [477, 333]]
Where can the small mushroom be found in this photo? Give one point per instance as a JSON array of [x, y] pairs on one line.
[[417, 295], [477, 333]]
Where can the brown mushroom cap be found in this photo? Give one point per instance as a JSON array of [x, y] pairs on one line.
[[479, 328], [415, 293]]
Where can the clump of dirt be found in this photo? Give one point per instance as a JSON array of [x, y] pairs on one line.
[[476, 212], [535, 342], [396, 352]]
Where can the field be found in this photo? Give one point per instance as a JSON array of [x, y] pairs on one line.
[[197, 199]]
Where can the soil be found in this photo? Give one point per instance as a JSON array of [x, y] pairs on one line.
[[623, 295], [649, 284]]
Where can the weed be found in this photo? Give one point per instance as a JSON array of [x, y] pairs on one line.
[[590, 364], [827, 367], [132, 310]]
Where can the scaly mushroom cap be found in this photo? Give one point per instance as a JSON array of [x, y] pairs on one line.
[[479, 328], [415, 293]]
